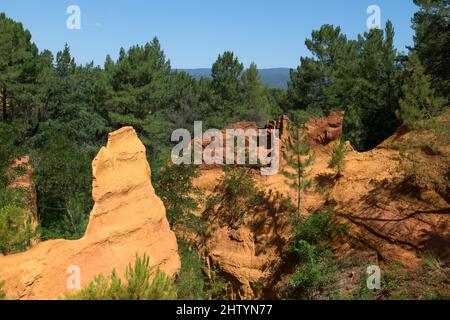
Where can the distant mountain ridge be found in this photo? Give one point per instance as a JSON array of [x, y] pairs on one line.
[[273, 77]]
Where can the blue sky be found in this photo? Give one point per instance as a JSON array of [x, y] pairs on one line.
[[193, 32]]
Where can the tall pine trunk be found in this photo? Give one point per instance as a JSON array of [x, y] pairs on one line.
[[4, 105]]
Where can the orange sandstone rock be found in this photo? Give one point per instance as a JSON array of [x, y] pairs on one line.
[[128, 218]]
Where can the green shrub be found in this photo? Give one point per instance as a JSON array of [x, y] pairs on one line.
[[434, 277], [238, 197], [16, 230], [63, 182], [190, 282], [2, 293], [362, 292], [419, 102], [317, 269], [337, 161], [317, 228], [7, 151], [174, 184], [138, 285], [433, 269], [392, 281], [216, 286]]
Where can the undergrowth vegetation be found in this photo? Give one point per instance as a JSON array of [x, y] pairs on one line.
[[237, 197], [317, 271], [337, 161], [139, 284], [174, 184], [16, 229], [2, 293], [193, 284]]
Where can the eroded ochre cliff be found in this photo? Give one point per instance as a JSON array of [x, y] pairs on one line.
[[128, 218], [389, 215]]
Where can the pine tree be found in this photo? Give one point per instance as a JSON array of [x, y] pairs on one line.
[[337, 161], [238, 196], [256, 103], [137, 88], [358, 76], [139, 284], [378, 85], [225, 74], [419, 101], [432, 42], [18, 68], [299, 156], [16, 230], [174, 184]]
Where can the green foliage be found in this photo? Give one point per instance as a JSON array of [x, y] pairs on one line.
[[236, 94], [63, 179], [424, 124], [257, 103], [7, 152], [317, 228], [317, 270], [16, 230], [17, 65], [225, 74], [434, 277], [174, 185], [238, 197], [362, 292], [392, 280], [190, 282], [139, 284], [136, 89], [61, 132], [2, 293], [408, 158], [299, 156], [337, 161], [419, 102], [217, 286], [360, 77], [432, 41]]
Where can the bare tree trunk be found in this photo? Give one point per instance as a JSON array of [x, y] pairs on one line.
[[4, 105], [11, 105]]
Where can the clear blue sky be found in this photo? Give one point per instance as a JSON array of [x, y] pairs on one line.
[[193, 32]]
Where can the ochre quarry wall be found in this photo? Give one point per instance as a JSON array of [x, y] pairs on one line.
[[389, 216]]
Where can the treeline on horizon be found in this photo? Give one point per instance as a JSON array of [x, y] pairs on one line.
[[59, 112]]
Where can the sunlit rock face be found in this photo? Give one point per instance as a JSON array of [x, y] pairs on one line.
[[128, 218]]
